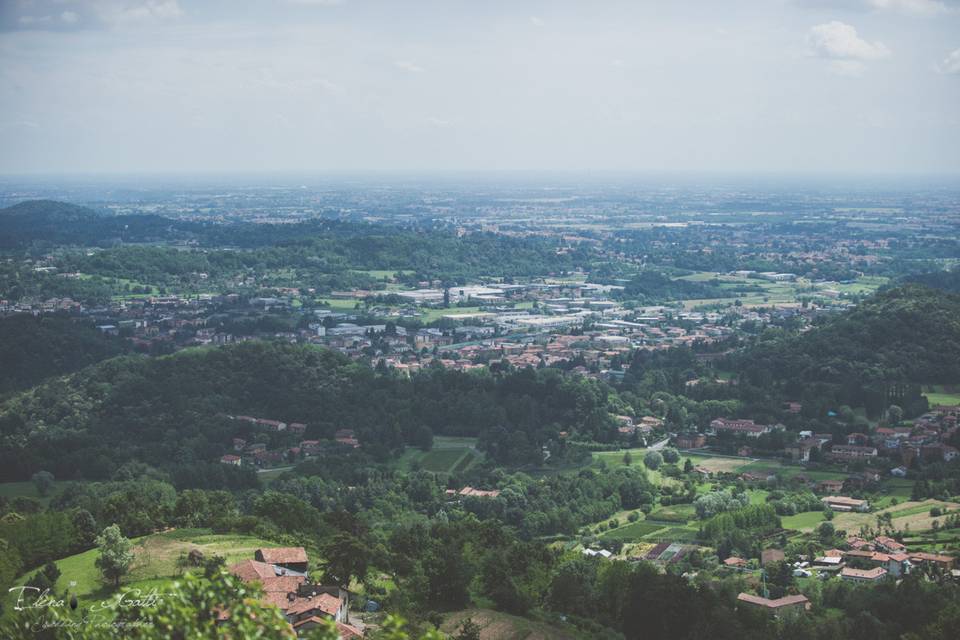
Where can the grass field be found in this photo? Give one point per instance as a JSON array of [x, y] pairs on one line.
[[449, 455], [943, 394], [912, 515], [154, 565], [633, 531], [681, 513], [807, 521]]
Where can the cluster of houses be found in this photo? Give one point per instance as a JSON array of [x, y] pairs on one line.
[[873, 560], [258, 454], [282, 574], [864, 561], [926, 440]]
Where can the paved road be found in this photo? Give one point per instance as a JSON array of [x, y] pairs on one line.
[[659, 445]]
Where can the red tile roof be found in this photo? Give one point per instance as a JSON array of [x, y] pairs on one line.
[[283, 555]]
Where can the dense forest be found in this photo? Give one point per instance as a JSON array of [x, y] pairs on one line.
[[851, 358], [49, 223], [34, 348], [171, 409]]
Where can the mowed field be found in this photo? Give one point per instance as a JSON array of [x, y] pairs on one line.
[[449, 455], [946, 394], [915, 515]]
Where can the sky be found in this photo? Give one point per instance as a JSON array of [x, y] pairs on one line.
[[785, 86]]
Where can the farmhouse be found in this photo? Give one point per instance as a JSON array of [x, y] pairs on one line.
[[939, 560], [281, 573], [842, 503], [780, 606], [291, 558], [231, 459]]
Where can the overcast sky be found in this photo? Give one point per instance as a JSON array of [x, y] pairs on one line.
[[320, 85]]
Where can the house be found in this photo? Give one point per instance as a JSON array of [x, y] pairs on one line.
[[939, 560], [830, 486], [281, 574], [863, 575], [690, 441], [800, 450], [889, 545], [738, 427], [473, 493], [898, 564], [735, 562], [852, 452], [771, 555], [231, 459], [786, 605], [346, 437], [291, 558], [297, 428], [842, 503]]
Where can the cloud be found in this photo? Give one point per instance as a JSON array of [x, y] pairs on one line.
[[913, 7], [951, 64], [537, 22], [408, 66], [119, 12], [918, 7], [69, 15], [839, 41]]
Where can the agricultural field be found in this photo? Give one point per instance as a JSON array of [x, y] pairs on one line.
[[912, 515], [633, 531]]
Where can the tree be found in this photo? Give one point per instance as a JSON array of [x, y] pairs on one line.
[[346, 557], [115, 555], [826, 531], [687, 466], [653, 460], [627, 459], [43, 481], [671, 455], [895, 414], [468, 630]]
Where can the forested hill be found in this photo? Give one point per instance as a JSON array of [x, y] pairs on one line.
[[49, 223], [944, 280], [32, 349], [910, 334], [170, 410]]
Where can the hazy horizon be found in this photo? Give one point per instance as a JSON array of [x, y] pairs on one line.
[[777, 87]]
